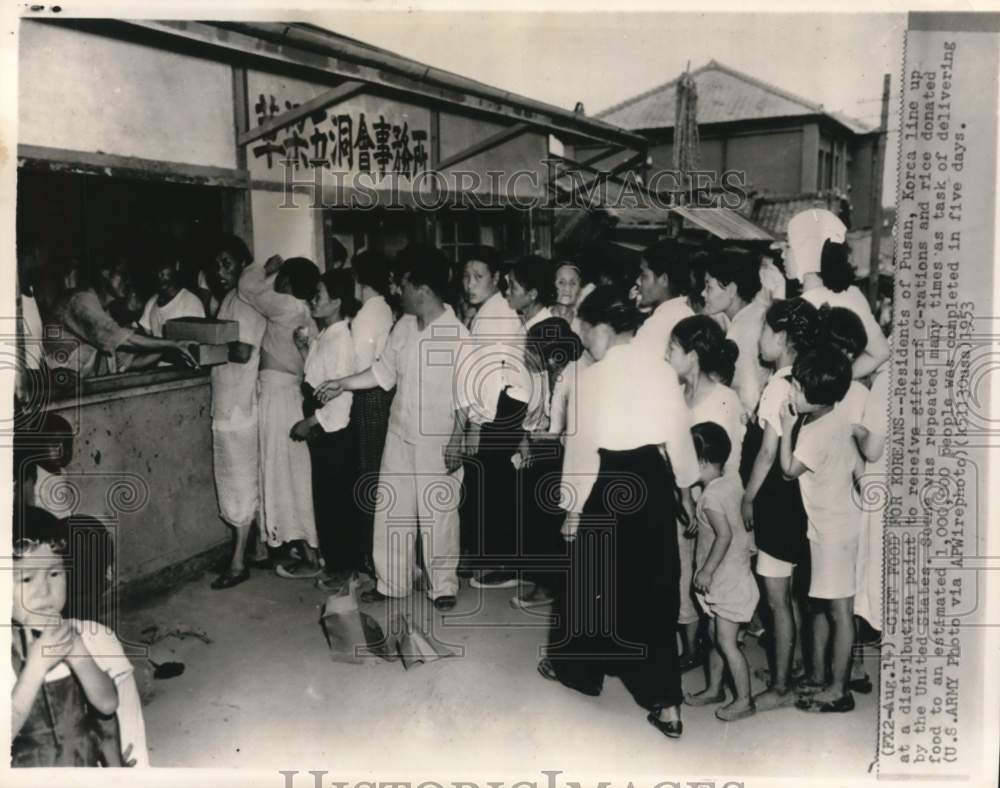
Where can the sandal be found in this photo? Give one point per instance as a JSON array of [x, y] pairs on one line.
[[672, 729], [228, 579], [842, 704], [546, 670], [809, 687], [298, 570]]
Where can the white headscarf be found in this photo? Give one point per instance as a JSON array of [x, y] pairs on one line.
[[807, 232]]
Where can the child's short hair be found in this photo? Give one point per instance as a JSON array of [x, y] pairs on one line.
[[824, 373], [34, 527], [843, 329], [302, 277], [711, 443]]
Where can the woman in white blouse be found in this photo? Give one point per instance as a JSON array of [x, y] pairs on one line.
[[330, 356], [499, 392], [624, 467], [370, 410]]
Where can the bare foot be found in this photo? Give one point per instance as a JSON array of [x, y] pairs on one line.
[[706, 697], [827, 695], [774, 698]]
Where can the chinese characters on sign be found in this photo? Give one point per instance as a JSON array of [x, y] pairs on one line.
[[342, 141]]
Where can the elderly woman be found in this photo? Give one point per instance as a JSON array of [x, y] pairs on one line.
[[569, 283]]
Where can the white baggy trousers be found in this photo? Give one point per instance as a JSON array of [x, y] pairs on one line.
[[416, 499]]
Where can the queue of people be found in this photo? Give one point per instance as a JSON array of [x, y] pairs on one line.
[[664, 468]]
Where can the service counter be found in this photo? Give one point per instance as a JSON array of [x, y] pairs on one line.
[[142, 461]]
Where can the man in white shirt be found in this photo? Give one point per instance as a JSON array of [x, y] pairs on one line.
[[421, 465], [664, 282], [171, 300], [235, 434], [732, 282]]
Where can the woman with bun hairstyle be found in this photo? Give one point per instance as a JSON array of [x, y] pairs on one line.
[[772, 505], [701, 356], [624, 471]]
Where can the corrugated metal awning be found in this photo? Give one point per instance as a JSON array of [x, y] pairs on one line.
[[724, 223]]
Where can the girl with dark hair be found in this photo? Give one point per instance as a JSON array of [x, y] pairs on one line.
[[632, 451], [843, 329], [66, 669], [497, 383], [702, 356], [772, 505], [552, 349], [723, 582], [370, 408], [330, 355]]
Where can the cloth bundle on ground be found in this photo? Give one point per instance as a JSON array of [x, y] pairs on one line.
[[353, 636]]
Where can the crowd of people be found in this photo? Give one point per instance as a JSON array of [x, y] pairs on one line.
[[668, 459]]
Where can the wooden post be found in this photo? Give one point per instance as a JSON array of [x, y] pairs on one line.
[[878, 168], [240, 208]]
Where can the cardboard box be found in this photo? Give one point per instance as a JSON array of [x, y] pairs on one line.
[[203, 330], [208, 355]]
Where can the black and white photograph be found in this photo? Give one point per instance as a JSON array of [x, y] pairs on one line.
[[500, 395]]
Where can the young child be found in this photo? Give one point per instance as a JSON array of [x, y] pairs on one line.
[[843, 329], [550, 349], [772, 505], [824, 460], [54, 442], [68, 672], [724, 585], [701, 356]]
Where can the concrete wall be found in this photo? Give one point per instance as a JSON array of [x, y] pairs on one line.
[[289, 227], [85, 92], [144, 460], [523, 154], [772, 161]]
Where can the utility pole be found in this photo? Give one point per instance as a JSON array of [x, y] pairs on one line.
[[878, 169]]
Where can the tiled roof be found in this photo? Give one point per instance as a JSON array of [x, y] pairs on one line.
[[773, 213], [724, 95]]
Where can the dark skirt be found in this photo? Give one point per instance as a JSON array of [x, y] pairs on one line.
[[545, 556], [338, 519], [490, 511], [618, 615], [370, 423], [778, 512]]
